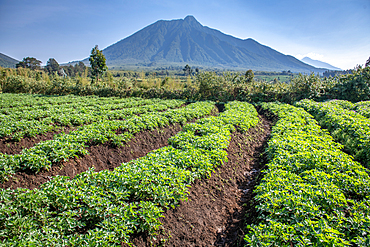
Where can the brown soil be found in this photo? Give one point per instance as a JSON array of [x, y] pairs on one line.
[[8, 146], [101, 157], [218, 208]]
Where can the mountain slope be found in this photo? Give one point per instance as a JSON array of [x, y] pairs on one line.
[[318, 64], [186, 41], [7, 62]]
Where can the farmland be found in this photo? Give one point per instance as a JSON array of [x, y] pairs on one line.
[[109, 206], [110, 171]]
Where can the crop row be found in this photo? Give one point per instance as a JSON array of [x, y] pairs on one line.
[[106, 208], [312, 193], [362, 107], [65, 146], [40, 112], [17, 129], [9, 100], [346, 126], [33, 101]]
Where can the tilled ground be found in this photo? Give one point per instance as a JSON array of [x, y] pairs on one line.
[[8, 146], [219, 207], [101, 157]]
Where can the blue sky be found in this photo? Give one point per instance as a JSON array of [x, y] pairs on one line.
[[333, 31]]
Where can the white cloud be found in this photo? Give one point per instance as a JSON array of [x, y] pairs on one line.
[[311, 55]]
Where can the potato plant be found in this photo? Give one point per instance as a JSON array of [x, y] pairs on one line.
[[106, 208], [65, 146], [17, 122], [363, 108], [346, 126], [312, 194]]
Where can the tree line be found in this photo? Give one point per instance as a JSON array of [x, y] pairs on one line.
[[96, 69], [53, 68]]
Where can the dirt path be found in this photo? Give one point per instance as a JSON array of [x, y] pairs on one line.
[[214, 215]]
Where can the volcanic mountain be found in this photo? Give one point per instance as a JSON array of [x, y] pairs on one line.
[[186, 41], [7, 62], [319, 64]]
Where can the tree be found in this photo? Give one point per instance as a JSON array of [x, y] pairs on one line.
[[79, 68], [97, 62], [29, 62], [367, 64], [249, 75], [51, 66], [187, 70]]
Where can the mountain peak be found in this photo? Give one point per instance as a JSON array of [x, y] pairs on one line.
[[318, 64], [191, 21], [190, 18], [186, 41]]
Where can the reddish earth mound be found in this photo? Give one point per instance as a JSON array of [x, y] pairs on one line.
[[218, 208]]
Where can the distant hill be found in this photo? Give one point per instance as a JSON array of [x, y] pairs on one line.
[[318, 64], [186, 41], [7, 62]]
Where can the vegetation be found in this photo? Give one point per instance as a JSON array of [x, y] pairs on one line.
[[97, 62], [312, 192], [110, 206], [30, 63], [52, 66], [347, 127], [204, 85], [65, 146], [188, 70]]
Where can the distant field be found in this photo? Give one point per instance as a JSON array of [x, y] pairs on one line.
[[270, 78]]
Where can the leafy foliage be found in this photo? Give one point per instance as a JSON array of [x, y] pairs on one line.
[[206, 86], [97, 62], [346, 126], [20, 121], [312, 192], [65, 146], [52, 66], [353, 87], [30, 63], [105, 208]]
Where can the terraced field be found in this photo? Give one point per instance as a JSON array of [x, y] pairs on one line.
[[90, 171]]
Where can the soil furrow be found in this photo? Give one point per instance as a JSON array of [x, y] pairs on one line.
[[8, 146], [219, 207], [101, 157]]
